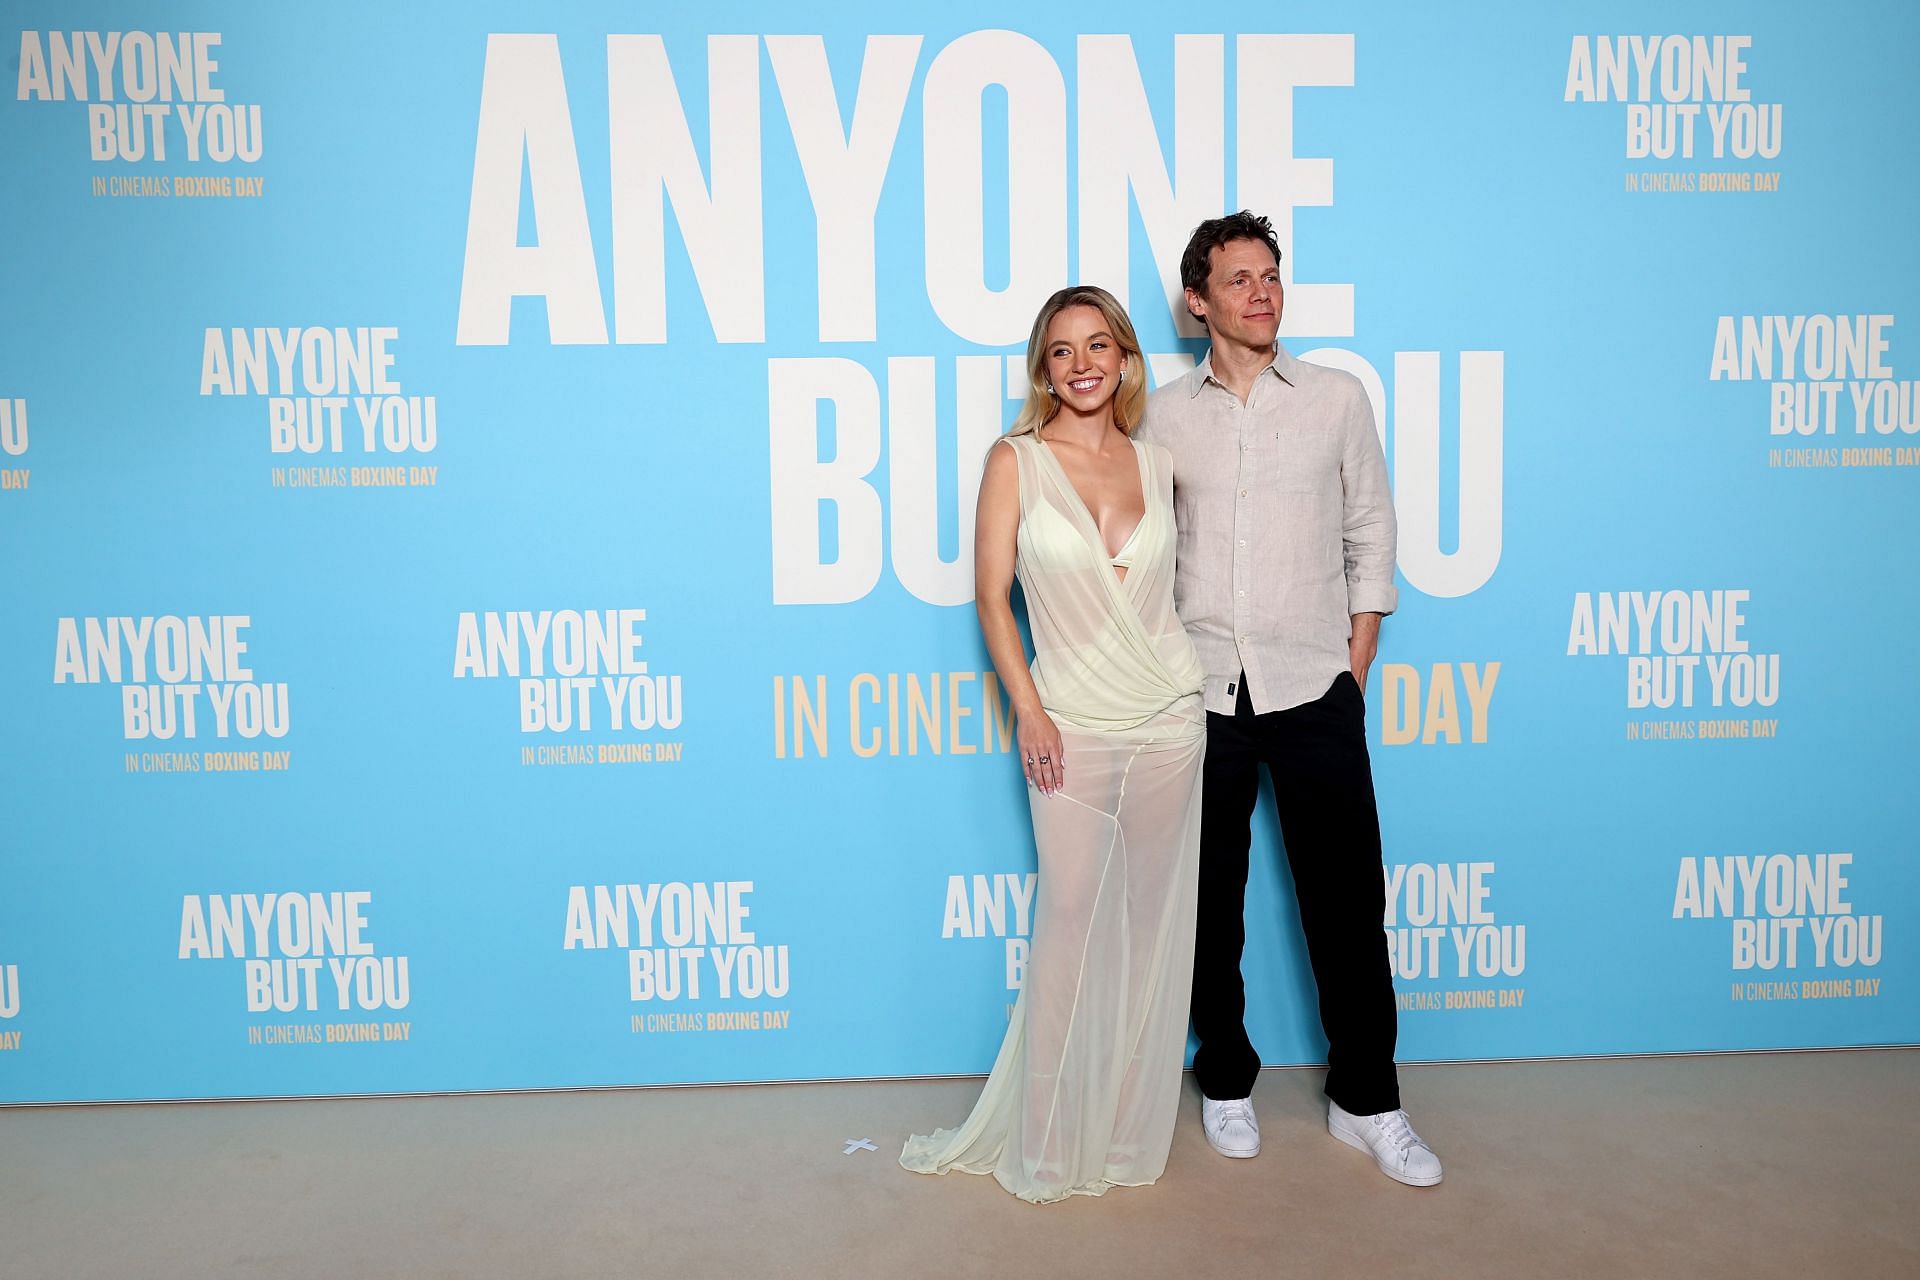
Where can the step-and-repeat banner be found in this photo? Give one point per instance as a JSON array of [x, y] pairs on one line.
[[487, 503]]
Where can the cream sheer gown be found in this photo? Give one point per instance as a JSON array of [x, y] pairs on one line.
[[1084, 1092]]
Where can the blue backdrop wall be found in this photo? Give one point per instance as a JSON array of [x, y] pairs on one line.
[[487, 499]]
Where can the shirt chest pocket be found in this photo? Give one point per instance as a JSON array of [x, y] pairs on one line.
[[1301, 462]]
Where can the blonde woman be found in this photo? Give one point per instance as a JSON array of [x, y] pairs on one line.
[[1111, 732]]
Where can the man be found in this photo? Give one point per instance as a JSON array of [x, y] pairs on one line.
[[1285, 555]]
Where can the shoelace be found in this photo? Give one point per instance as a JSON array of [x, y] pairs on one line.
[[1396, 1129], [1235, 1110]]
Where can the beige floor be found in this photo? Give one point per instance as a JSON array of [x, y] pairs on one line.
[[1804, 1165]]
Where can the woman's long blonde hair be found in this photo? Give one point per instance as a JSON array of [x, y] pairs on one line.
[[1129, 402]]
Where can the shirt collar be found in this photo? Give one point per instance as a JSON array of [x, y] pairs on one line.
[[1281, 368]]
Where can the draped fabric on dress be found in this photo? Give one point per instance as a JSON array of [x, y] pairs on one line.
[[1084, 1092]]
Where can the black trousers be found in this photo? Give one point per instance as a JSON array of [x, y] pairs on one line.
[[1316, 754]]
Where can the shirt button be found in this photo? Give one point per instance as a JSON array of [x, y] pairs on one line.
[[1243, 493], [1243, 542]]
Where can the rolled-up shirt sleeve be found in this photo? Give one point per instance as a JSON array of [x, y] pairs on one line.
[[1367, 529]]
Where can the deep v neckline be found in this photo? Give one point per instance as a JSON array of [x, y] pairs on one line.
[[1099, 540]]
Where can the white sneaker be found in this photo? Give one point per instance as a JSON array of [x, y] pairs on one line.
[[1230, 1126], [1391, 1141]]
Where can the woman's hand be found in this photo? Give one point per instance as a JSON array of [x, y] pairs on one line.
[[1041, 754]]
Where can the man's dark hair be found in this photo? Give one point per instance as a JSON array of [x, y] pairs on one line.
[[1213, 233]]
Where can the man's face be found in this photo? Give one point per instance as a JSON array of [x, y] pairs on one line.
[[1242, 299]]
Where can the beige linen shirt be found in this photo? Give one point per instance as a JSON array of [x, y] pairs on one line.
[[1286, 525]]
